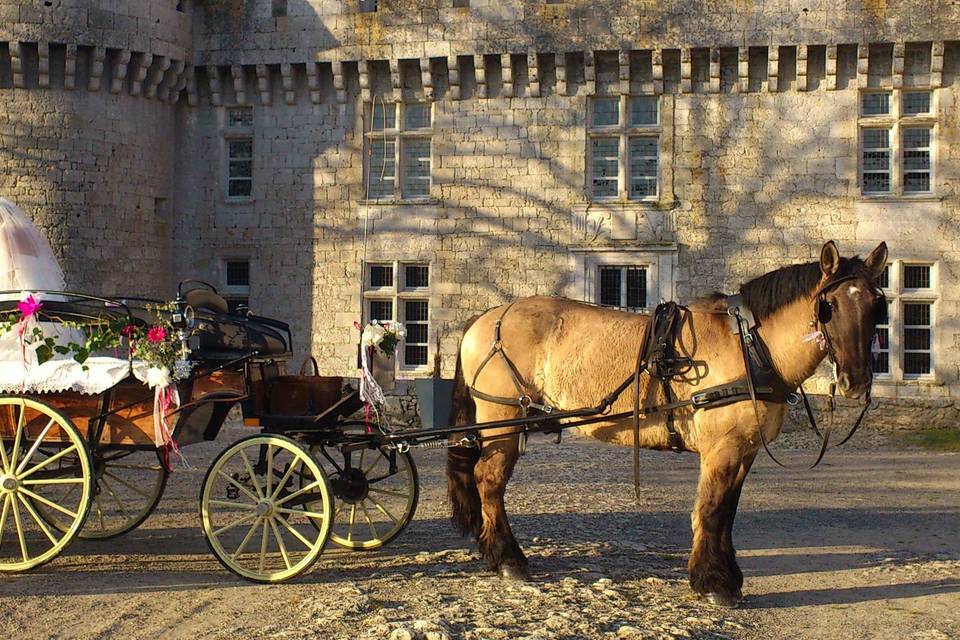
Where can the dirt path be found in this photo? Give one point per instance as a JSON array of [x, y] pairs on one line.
[[867, 546]]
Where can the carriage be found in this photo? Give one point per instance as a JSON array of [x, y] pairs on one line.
[[79, 458]]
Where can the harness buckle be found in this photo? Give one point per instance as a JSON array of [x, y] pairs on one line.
[[525, 402], [793, 399], [700, 399]]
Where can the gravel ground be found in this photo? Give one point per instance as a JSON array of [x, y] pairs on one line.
[[866, 546]]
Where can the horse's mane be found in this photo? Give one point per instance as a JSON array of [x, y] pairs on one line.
[[772, 291]]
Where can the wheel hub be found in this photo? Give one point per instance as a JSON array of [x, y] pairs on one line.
[[350, 485], [264, 508], [9, 483]]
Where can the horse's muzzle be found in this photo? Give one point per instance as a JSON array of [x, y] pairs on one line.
[[850, 389]]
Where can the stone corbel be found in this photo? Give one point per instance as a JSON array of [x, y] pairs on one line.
[[364, 71], [533, 74], [899, 50], [168, 90], [313, 82], [743, 69], [623, 68], [686, 71], [480, 71], [506, 70], [773, 69], [714, 70], [70, 68], [157, 78], [140, 73], [339, 83], [98, 55], [656, 64], [263, 83], [453, 73], [863, 65], [120, 71], [831, 70], [561, 67], [936, 65], [802, 53], [286, 77], [426, 78], [189, 81], [43, 67], [589, 73], [216, 89], [239, 85], [16, 64], [395, 81]]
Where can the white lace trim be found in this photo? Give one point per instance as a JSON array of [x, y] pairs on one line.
[[56, 375]]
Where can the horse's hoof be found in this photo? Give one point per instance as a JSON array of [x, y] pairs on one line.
[[513, 572], [724, 600]]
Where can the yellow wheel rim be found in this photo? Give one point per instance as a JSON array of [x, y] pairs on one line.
[[127, 487], [44, 464], [266, 519], [373, 510]]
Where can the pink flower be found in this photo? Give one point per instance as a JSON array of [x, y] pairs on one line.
[[29, 306], [128, 331], [156, 334]]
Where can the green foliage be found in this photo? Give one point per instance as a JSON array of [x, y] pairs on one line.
[[932, 439]]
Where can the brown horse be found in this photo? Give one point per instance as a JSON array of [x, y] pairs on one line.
[[570, 355]]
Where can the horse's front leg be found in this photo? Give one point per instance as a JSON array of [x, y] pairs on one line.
[[714, 572], [496, 541]]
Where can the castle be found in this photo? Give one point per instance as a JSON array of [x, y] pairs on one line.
[[423, 161]]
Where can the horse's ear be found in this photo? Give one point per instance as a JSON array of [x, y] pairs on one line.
[[877, 259], [829, 258]]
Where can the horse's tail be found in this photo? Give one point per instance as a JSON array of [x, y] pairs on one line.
[[461, 483]]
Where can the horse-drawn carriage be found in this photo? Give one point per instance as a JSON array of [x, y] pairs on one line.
[[80, 459]]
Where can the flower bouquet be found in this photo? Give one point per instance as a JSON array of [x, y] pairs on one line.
[[384, 337]]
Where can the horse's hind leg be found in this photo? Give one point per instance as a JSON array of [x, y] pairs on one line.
[[714, 572], [496, 541]]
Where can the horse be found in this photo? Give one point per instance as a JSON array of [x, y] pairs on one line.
[[567, 354]]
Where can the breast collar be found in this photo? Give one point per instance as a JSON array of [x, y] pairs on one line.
[[761, 366]]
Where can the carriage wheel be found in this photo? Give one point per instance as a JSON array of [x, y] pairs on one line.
[[128, 486], [32, 477], [376, 497], [266, 508]]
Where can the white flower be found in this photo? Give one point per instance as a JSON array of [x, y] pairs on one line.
[[158, 377], [372, 335], [398, 329]]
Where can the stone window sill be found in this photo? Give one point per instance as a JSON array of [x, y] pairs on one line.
[[395, 202], [886, 197], [231, 201]]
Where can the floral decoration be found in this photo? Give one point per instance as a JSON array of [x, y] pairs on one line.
[[383, 336]]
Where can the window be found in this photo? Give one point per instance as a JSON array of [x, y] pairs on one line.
[[905, 330], [623, 287], [896, 142], [238, 139], [399, 137], [400, 291], [236, 290], [624, 148]]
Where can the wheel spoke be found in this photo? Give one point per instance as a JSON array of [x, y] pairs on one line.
[[298, 512], [235, 505], [286, 476], [366, 516], [4, 513], [280, 544], [353, 518], [269, 479], [263, 547], [253, 476], [382, 509], [132, 487], [33, 449], [36, 518], [363, 452], [339, 509], [296, 533], [400, 472], [20, 535], [44, 463], [239, 486], [52, 505], [17, 436], [96, 500], [395, 494], [298, 492], [246, 538], [244, 520], [103, 481], [54, 481], [376, 459]]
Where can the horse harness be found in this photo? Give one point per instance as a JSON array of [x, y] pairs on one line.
[[658, 357]]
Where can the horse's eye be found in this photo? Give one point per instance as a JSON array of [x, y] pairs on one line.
[[825, 311]]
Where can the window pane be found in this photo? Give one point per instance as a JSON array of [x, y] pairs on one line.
[[916, 276], [384, 116], [416, 166], [610, 286], [916, 363], [605, 156], [416, 275], [876, 104], [240, 188], [643, 167], [606, 112], [881, 362], [636, 288], [416, 333], [876, 160], [916, 339], [381, 310], [876, 138], [883, 315], [916, 102], [883, 280], [876, 182], [240, 149], [415, 311], [239, 117], [382, 168], [916, 182], [916, 313], [416, 116], [415, 355], [238, 273], [381, 275], [234, 304], [240, 169], [916, 160], [914, 137], [643, 110]]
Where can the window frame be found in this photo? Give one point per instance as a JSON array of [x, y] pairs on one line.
[[897, 296], [235, 293], [624, 269], [624, 130], [398, 293], [896, 121], [235, 133], [401, 136]]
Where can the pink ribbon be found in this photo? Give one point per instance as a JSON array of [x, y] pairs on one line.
[[163, 398], [28, 309]]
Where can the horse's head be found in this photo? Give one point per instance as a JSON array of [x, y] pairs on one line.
[[846, 307]]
